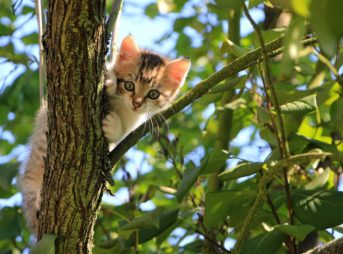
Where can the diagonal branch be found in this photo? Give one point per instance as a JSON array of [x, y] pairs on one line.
[[335, 246], [237, 65]]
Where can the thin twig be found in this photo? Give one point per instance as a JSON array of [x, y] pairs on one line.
[[332, 68], [280, 132], [199, 90], [41, 28], [113, 24]]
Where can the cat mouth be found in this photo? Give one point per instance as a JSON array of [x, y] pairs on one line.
[[136, 110]]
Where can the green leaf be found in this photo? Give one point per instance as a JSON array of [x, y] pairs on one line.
[[266, 243], [195, 246], [297, 231], [241, 170], [319, 181], [8, 52], [310, 207], [27, 9], [151, 10], [263, 116], [6, 29], [30, 38], [336, 113], [229, 4], [165, 220], [149, 194], [233, 49], [229, 84], [304, 105], [221, 204], [7, 172], [216, 207], [292, 45], [9, 223], [235, 104], [189, 178], [302, 7], [144, 221], [215, 161], [326, 21], [45, 246]]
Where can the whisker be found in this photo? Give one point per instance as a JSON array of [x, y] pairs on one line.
[[157, 127], [164, 120], [151, 124]]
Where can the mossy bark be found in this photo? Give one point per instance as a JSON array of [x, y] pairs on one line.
[[75, 47]]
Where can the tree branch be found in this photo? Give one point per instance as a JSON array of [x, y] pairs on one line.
[[335, 246], [239, 64], [113, 24]]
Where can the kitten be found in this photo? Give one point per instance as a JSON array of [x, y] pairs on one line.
[[138, 84]]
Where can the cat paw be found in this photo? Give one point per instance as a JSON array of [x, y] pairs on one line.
[[111, 82], [112, 127]]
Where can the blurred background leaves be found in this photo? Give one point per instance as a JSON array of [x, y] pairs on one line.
[[163, 203]]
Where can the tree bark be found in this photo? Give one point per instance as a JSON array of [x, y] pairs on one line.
[[333, 247], [73, 184]]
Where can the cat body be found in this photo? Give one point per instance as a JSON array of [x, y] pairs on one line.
[[138, 84]]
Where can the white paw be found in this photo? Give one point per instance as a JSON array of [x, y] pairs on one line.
[[112, 127], [110, 82]]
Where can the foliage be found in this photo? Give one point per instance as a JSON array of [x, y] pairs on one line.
[[292, 182]]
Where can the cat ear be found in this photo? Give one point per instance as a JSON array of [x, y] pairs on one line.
[[177, 70], [129, 50]]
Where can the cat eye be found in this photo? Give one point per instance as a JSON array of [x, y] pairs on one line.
[[130, 86], [153, 94]]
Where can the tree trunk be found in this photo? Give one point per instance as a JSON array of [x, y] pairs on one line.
[[73, 182]]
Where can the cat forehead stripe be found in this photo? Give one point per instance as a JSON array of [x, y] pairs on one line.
[[150, 61], [149, 67]]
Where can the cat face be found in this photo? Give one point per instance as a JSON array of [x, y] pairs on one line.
[[147, 82]]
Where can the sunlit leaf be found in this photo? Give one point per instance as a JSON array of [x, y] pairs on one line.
[[304, 105], [233, 49], [293, 45], [302, 7], [243, 169], [319, 181]]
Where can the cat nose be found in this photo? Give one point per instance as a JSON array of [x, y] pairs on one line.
[[137, 103]]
